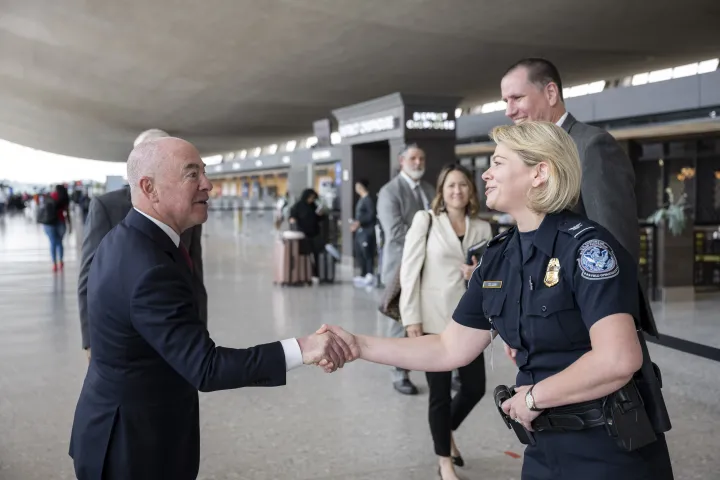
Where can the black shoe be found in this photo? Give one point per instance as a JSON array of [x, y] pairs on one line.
[[405, 387], [458, 461], [456, 384]]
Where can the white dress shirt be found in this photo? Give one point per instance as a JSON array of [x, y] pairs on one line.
[[562, 119], [291, 347], [413, 184]]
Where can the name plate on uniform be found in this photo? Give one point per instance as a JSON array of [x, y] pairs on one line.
[[492, 284]]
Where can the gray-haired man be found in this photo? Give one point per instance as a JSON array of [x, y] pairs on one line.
[[398, 202]]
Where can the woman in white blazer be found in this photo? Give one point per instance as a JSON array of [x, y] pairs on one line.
[[432, 279]]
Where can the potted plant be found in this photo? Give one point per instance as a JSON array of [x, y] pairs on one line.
[[672, 214]]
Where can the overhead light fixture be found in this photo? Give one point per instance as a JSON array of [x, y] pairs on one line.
[[311, 142], [458, 112], [685, 70], [335, 138], [290, 146], [213, 159], [243, 154], [660, 75], [640, 79], [708, 65], [257, 152], [493, 107]]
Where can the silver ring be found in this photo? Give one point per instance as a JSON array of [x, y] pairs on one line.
[[516, 419]]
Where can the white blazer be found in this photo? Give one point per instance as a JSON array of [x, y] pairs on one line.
[[432, 299]]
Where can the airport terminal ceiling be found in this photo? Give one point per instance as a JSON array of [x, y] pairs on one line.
[[84, 78]]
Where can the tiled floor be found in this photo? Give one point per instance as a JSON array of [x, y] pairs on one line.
[[348, 425]]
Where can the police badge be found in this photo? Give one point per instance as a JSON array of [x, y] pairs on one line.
[[552, 274]]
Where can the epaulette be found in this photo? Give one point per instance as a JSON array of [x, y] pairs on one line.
[[577, 229], [500, 237]]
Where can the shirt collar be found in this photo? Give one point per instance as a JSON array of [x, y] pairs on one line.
[[409, 180], [560, 122], [169, 231]]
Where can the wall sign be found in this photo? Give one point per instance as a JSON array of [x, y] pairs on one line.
[[321, 154], [364, 127], [431, 121]]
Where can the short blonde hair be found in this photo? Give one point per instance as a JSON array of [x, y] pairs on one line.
[[537, 142]]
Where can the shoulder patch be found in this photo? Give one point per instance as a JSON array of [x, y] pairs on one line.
[[597, 260], [500, 237]]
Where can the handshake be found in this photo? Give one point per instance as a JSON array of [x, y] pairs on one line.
[[329, 348]]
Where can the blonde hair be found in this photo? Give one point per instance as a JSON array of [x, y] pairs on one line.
[[537, 142]]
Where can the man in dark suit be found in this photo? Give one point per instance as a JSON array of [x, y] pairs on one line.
[[137, 416], [532, 89], [105, 212]]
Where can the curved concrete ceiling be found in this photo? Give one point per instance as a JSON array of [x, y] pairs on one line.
[[84, 78]]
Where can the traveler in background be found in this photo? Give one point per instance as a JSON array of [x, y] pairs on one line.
[[432, 277], [56, 231], [533, 90], [305, 217], [3, 200], [398, 202], [364, 229]]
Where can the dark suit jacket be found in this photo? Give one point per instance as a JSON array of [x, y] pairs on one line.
[[137, 415], [608, 183], [108, 210]]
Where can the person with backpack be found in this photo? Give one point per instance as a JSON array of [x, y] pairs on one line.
[[54, 215]]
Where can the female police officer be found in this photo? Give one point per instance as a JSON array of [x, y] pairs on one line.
[[561, 291]]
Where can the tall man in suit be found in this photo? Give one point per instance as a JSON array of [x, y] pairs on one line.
[[137, 416], [398, 202], [105, 212], [532, 89]]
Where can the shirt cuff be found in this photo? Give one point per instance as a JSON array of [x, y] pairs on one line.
[[293, 355]]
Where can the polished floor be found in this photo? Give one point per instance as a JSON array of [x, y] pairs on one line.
[[347, 425]]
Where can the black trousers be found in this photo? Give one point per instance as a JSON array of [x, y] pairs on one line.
[[365, 248], [446, 413]]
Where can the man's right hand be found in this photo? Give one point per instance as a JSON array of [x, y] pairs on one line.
[[325, 347], [348, 338], [87, 352]]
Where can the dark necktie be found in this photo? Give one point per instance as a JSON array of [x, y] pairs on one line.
[[418, 197], [186, 256]]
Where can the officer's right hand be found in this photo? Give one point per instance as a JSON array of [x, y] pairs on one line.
[[510, 352], [414, 330]]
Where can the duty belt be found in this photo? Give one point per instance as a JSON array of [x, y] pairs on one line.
[[571, 418]]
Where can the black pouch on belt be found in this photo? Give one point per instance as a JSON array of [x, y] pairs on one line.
[[626, 419]]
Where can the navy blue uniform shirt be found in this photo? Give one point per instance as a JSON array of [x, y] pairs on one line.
[[543, 290]]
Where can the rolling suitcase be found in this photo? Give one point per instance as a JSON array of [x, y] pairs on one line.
[[326, 267], [291, 268]]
